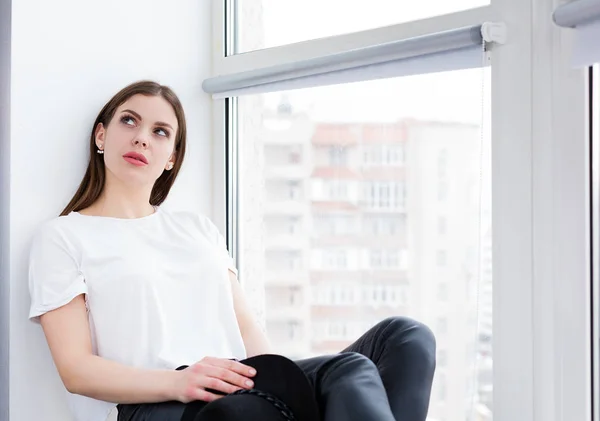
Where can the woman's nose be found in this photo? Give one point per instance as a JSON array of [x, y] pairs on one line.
[[140, 142]]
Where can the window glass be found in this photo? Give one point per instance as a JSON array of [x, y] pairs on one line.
[[373, 236], [271, 23]]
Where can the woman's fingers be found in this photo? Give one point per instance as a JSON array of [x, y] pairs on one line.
[[232, 365], [228, 376]]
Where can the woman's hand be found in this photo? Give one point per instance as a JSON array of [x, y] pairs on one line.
[[217, 374]]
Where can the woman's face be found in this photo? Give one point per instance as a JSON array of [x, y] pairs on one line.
[[139, 141]]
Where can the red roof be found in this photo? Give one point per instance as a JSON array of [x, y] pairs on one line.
[[342, 134]]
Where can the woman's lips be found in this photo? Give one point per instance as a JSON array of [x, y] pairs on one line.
[[134, 161]]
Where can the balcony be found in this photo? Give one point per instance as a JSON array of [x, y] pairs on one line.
[[287, 171], [287, 313], [282, 278], [286, 241], [286, 207]]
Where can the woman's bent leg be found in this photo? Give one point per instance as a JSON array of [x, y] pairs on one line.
[[164, 411], [347, 388], [404, 352]]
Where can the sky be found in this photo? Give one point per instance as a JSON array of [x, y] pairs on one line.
[[455, 96]]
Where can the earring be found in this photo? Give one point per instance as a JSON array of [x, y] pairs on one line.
[[170, 166], [100, 151]]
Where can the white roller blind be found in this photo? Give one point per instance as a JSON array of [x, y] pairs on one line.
[[583, 16], [449, 50]]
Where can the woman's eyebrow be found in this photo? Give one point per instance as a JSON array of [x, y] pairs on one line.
[[139, 117]]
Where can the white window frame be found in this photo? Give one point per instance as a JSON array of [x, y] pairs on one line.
[[541, 218]]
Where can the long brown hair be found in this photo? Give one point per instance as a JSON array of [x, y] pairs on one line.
[[93, 181]]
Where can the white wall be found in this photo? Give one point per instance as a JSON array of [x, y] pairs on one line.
[[68, 58], [4, 200]]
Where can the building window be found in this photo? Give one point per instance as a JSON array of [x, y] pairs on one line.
[[293, 190], [295, 296], [441, 225], [338, 156], [441, 387], [442, 358], [293, 330], [384, 194], [384, 259], [441, 258], [336, 189], [442, 325], [443, 292], [384, 154], [442, 192], [334, 224], [335, 259], [442, 163]]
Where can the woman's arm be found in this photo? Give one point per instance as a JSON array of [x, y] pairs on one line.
[[255, 340], [68, 335]]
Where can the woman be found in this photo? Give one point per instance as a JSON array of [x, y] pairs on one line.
[[126, 292]]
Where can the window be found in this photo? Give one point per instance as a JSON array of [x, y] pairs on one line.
[[384, 155], [335, 259], [442, 191], [382, 226], [441, 225], [595, 185], [338, 156], [293, 330], [384, 258], [441, 387], [442, 358], [442, 164], [384, 195], [286, 22], [336, 189], [442, 325], [334, 224], [334, 293], [441, 258], [395, 213], [283, 260], [443, 292]]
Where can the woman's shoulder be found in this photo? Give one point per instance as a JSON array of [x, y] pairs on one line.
[[193, 220], [55, 226], [60, 231]]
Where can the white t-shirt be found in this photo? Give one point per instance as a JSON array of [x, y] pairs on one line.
[[157, 289]]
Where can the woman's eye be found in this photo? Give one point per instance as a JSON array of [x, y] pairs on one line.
[[162, 132], [128, 120]]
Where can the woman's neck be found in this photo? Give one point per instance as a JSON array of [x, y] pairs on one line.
[[120, 201]]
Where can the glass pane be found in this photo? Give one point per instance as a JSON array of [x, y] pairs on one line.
[[596, 229], [270, 23], [362, 201]]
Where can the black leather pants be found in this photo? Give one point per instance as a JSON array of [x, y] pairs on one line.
[[385, 375]]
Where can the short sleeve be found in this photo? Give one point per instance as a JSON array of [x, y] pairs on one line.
[[224, 251], [219, 242], [54, 275]]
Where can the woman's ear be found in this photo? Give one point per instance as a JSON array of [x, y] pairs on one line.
[[170, 163], [100, 135]]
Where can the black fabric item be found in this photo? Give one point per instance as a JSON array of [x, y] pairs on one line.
[[385, 375], [279, 383], [239, 408], [281, 406]]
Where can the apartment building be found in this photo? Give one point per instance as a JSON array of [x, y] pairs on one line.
[[369, 220]]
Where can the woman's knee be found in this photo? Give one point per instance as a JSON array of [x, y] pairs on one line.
[[353, 362], [406, 332]]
